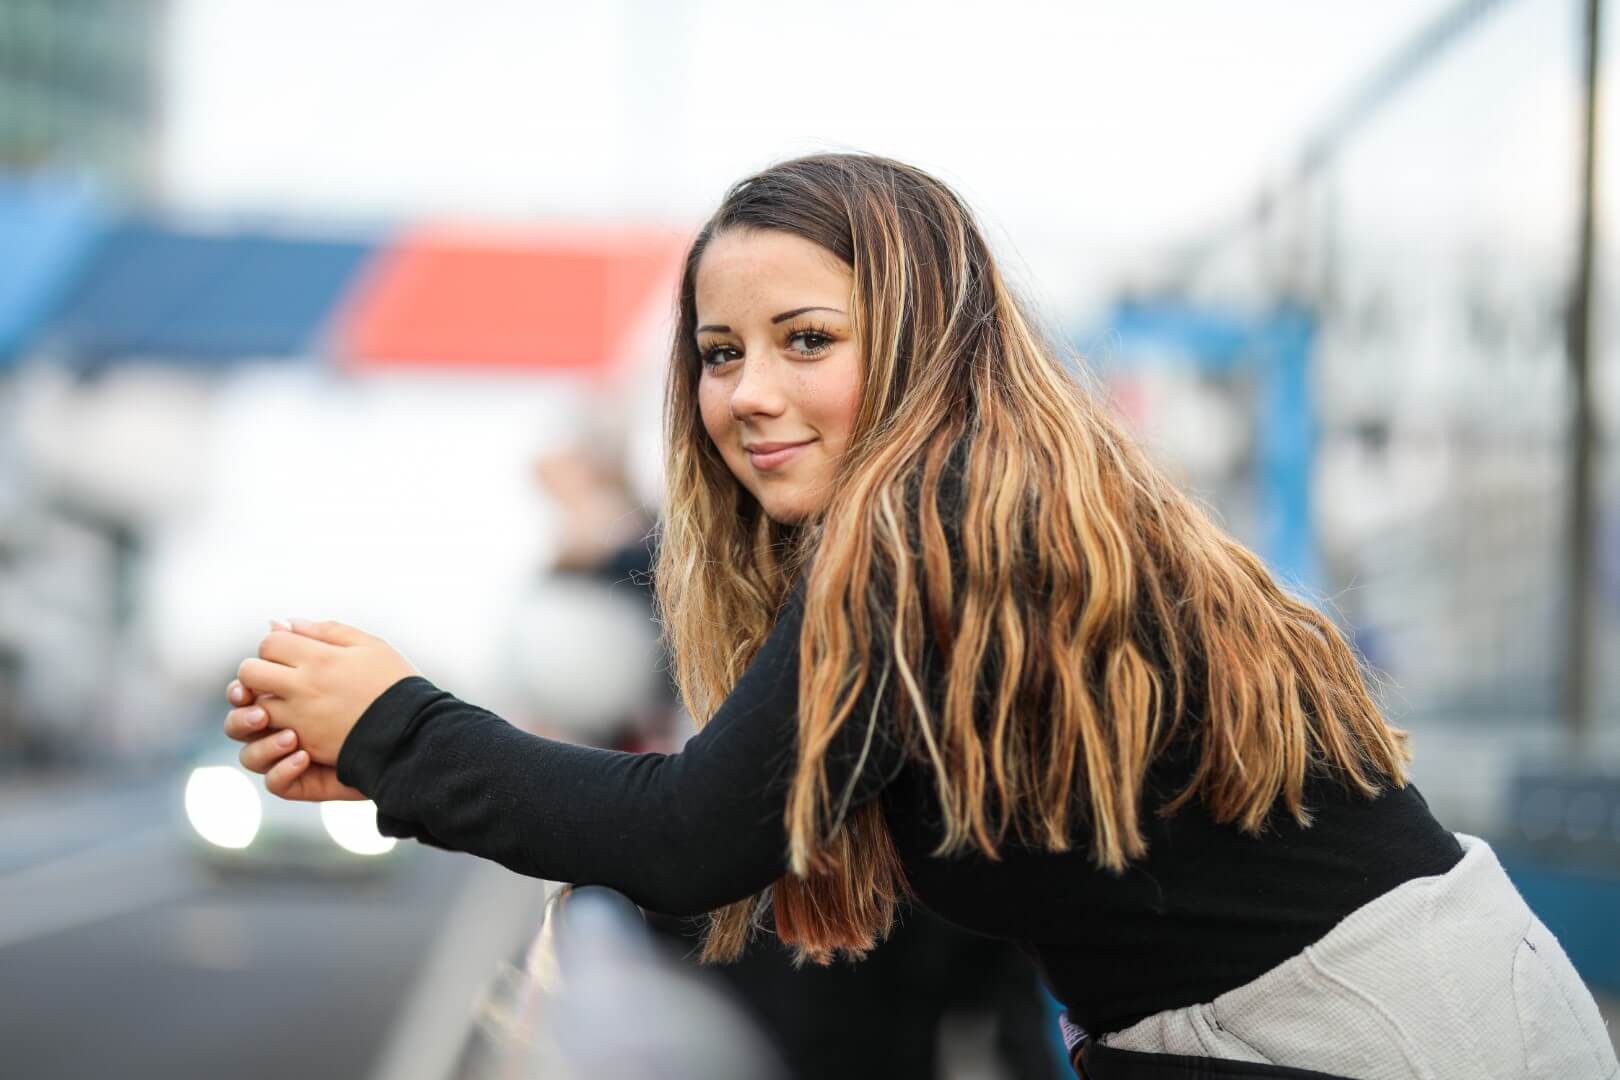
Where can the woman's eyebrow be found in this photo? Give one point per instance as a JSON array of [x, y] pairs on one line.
[[718, 329], [800, 311]]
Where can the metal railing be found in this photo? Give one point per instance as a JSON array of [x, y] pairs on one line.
[[593, 997]]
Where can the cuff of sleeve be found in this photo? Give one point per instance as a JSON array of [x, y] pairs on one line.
[[371, 743], [395, 827], [400, 829]]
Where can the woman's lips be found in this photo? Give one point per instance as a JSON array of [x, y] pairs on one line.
[[774, 455]]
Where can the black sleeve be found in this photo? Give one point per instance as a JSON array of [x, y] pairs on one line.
[[678, 833]]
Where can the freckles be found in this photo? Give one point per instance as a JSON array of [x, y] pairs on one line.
[[714, 413]]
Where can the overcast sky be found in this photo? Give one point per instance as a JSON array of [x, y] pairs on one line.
[[1088, 135]]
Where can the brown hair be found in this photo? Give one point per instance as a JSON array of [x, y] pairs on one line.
[[1080, 601]]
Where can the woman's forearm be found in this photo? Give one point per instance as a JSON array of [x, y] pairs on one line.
[[650, 825]]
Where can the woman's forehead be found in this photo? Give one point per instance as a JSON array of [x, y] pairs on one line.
[[757, 267]]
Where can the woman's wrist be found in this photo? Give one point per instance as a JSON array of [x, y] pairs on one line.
[[376, 736]]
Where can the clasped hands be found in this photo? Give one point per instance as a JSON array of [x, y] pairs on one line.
[[295, 703]]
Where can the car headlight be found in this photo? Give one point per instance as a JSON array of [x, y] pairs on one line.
[[223, 806], [353, 825]]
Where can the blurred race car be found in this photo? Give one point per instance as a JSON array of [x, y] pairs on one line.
[[235, 824]]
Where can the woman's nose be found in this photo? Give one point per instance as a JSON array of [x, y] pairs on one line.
[[756, 392]]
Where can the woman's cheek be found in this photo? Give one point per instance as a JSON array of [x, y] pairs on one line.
[[841, 397], [713, 411]]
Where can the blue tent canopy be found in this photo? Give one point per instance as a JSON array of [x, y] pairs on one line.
[[46, 230], [204, 298]]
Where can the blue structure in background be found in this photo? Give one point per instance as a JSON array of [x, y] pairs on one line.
[[1578, 906], [1574, 889], [200, 298], [1560, 843], [47, 232], [1274, 349]]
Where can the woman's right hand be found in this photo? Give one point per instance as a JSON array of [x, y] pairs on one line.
[[274, 753]]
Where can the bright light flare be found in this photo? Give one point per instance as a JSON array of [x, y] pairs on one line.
[[353, 826], [223, 806]]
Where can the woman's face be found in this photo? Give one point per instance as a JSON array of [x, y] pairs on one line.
[[781, 372]]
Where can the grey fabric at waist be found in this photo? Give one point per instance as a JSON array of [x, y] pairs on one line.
[[1441, 977]]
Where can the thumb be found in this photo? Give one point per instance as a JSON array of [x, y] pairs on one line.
[[333, 633]]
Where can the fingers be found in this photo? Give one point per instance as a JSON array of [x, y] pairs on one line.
[[259, 675], [282, 775], [316, 783], [237, 694], [287, 647], [263, 754], [246, 724], [291, 649], [293, 777], [332, 633], [288, 773]]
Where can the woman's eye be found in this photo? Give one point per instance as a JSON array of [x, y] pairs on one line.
[[810, 341], [716, 356]]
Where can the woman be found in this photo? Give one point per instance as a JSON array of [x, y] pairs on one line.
[[955, 639]]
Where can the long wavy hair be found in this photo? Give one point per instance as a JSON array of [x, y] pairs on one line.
[[1084, 609]]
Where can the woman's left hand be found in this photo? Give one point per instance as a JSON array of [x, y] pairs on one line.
[[324, 676]]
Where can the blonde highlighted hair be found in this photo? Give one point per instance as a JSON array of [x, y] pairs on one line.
[[1085, 610]]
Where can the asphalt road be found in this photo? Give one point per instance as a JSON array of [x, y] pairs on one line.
[[121, 956]]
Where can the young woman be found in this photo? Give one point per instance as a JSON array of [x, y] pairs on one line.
[[956, 640]]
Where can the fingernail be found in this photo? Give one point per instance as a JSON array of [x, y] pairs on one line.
[[237, 693], [299, 758], [279, 624], [286, 738], [254, 716]]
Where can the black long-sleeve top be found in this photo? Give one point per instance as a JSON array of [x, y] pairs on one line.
[[1207, 909]]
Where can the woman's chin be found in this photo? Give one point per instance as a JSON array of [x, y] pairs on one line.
[[785, 515], [790, 511]]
